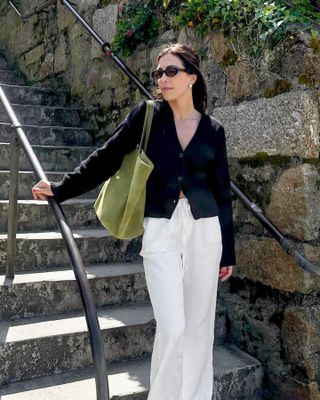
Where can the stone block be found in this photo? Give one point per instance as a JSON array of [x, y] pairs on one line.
[[288, 387], [104, 23], [263, 260], [219, 45], [242, 81], [300, 332], [33, 56], [64, 18], [167, 37], [216, 81], [60, 55], [251, 328], [26, 37], [287, 124], [47, 67], [307, 70], [295, 202]]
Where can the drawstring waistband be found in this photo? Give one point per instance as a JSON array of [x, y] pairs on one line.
[[184, 203]]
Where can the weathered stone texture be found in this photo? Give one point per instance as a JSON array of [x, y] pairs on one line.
[[286, 124], [253, 330], [218, 46], [285, 388], [34, 55], [104, 23], [301, 339], [295, 202], [263, 260], [60, 56], [307, 70], [242, 81]]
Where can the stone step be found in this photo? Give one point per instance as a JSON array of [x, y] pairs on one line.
[[50, 135], [36, 215], [3, 62], [43, 115], [56, 292], [52, 158], [27, 179], [237, 376], [45, 346], [7, 76], [31, 95], [46, 250]]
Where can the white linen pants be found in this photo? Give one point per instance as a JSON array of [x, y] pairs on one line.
[[181, 258]]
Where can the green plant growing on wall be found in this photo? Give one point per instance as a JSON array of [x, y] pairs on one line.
[[136, 25], [251, 25], [140, 22]]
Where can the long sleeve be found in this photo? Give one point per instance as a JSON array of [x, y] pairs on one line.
[[105, 161], [222, 193]]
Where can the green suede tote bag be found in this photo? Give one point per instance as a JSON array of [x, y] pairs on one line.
[[121, 202]]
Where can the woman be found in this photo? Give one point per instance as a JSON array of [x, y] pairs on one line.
[[188, 240]]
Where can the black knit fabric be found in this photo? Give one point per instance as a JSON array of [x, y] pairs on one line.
[[200, 171]]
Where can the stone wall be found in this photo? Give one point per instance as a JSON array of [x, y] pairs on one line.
[[51, 47], [273, 305], [273, 145]]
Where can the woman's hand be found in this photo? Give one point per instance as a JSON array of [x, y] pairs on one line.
[[225, 272], [41, 190]]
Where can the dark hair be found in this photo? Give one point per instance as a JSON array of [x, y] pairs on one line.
[[192, 63]]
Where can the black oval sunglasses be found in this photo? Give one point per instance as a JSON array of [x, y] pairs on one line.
[[170, 71]]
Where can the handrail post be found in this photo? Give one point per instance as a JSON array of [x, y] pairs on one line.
[[13, 207]]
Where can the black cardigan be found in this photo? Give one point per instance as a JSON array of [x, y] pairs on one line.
[[200, 171]]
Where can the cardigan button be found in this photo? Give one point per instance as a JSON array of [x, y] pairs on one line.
[[181, 155], [180, 178]]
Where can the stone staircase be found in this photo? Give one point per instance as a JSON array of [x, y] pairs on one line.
[[44, 344]]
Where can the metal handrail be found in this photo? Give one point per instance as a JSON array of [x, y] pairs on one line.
[[288, 246], [97, 346], [35, 10]]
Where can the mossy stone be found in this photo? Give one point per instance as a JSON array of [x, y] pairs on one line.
[[315, 44], [280, 86], [229, 58], [262, 158], [306, 80]]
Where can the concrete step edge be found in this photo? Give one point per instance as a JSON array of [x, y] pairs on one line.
[[111, 317], [53, 235], [28, 106], [74, 201], [128, 379], [96, 271], [38, 88], [58, 147], [49, 126]]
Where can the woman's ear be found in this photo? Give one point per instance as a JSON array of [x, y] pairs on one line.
[[194, 78]]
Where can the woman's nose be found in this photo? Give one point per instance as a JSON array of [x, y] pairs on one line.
[[164, 78]]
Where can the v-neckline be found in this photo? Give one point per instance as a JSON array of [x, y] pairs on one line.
[[176, 132]]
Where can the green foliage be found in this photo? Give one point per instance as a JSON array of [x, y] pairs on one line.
[[136, 25], [140, 22], [252, 24]]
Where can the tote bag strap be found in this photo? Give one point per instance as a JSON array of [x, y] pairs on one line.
[[147, 124]]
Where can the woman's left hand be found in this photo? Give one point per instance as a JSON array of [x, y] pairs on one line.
[[225, 272]]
